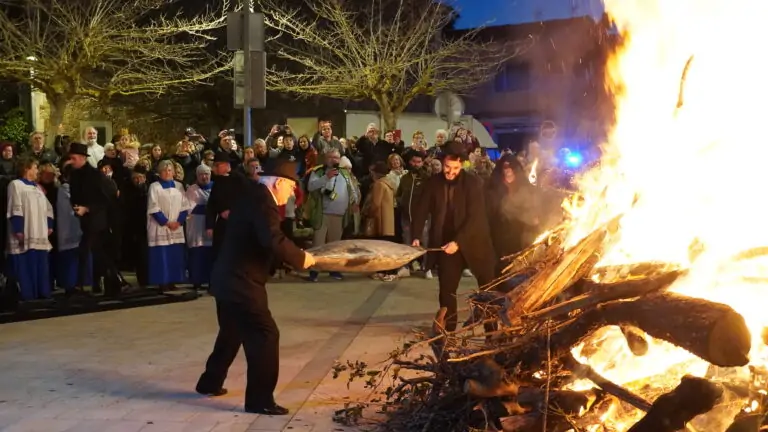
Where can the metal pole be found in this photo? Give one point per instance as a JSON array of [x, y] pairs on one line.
[[247, 139]]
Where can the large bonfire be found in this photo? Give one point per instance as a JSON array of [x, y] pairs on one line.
[[645, 311]]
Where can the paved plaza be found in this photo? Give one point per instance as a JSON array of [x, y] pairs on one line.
[[135, 370]]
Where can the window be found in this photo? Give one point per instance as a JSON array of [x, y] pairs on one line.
[[513, 77]]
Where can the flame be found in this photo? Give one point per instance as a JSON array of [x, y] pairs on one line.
[[689, 88], [532, 174]]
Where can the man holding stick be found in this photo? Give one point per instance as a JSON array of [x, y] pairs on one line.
[[455, 202], [238, 282]]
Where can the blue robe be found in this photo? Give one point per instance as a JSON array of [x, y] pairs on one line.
[[30, 269], [167, 263]]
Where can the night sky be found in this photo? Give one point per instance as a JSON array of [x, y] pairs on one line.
[[500, 12]]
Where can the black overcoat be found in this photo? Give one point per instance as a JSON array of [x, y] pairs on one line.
[[253, 241], [469, 220]]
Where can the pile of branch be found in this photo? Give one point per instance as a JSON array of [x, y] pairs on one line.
[[513, 377]]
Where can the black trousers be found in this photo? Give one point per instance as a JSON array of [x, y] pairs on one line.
[[97, 244], [254, 328], [449, 274]]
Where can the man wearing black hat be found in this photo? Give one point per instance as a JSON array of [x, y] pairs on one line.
[[91, 197], [252, 241], [227, 186], [454, 201]]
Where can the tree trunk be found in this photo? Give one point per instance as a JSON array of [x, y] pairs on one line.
[[57, 105], [390, 119]]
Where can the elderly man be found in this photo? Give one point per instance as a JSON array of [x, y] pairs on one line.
[[38, 151], [238, 283], [95, 150], [373, 148], [227, 186], [91, 197], [332, 201]]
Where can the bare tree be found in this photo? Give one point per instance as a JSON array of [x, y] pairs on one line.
[[388, 51], [98, 49]]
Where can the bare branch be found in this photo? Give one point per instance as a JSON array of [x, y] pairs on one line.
[[390, 51], [97, 49]]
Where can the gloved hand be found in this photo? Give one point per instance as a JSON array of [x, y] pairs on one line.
[[309, 260]]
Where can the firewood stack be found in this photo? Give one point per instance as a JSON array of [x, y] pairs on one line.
[[516, 375]]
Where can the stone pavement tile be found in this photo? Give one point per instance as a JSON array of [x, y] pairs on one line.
[[94, 414], [222, 416], [108, 426], [41, 425], [171, 426], [230, 427]]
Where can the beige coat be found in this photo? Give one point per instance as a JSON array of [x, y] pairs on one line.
[[382, 208]]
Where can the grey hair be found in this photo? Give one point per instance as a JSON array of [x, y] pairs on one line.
[[259, 141], [442, 132], [85, 131], [109, 146], [163, 164], [373, 126], [203, 169], [332, 150]]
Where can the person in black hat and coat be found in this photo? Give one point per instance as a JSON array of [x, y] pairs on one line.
[[227, 187], [238, 282], [454, 202], [91, 197]]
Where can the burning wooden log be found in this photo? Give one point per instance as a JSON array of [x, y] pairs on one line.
[[713, 331], [598, 293], [636, 340], [574, 264], [671, 411]]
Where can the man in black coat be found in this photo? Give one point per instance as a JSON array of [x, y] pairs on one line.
[[227, 187], [454, 203], [92, 196], [252, 241]]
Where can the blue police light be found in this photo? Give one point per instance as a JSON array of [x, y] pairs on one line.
[[574, 160]]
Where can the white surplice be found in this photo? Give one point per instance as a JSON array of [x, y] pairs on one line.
[[68, 230], [195, 222], [29, 202], [170, 202]]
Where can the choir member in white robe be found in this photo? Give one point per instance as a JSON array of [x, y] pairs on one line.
[[167, 209], [199, 244], [30, 217], [68, 233]]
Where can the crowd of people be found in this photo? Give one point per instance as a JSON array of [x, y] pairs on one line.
[[162, 211]]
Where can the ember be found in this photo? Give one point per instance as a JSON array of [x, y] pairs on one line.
[[645, 311]]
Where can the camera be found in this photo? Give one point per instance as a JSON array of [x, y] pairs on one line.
[[331, 194], [282, 130], [335, 166], [230, 132], [191, 132]]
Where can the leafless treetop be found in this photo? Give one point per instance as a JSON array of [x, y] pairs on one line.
[[387, 50], [100, 48]]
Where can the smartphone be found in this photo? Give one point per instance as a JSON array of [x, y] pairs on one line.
[[398, 135]]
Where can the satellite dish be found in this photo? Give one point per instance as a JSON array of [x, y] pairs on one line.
[[449, 107]]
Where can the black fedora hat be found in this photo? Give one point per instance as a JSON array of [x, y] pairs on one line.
[[456, 149], [281, 167], [220, 157], [78, 149]]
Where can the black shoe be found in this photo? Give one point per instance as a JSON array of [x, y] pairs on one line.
[[271, 410], [212, 393]]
